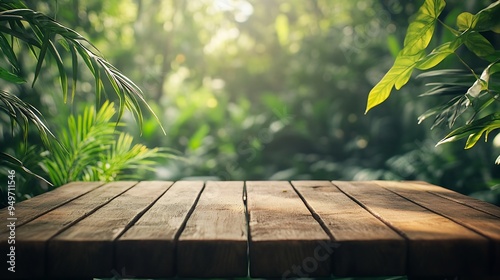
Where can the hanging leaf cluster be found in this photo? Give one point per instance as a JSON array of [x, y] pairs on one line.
[[472, 91]]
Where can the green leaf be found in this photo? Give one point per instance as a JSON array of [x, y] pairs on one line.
[[8, 51], [74, 60], [438, 54], [421, 29], [397, 76], [474, 130], [487, 18], [465, 21], [22, 113], [41, 56], [19, 165], [62, 72], [11, 77], [479, 45]]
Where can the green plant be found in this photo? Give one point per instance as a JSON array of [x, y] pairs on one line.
[[24, 30], [93, 150], [476, 102]]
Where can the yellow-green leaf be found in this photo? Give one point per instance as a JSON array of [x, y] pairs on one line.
[[397, 76], [438, 54], [420, 31], [465, 21]]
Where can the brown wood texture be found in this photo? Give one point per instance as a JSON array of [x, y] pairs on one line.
[[481, 222], [32, 237], [457, 197], [86, 248], [156, 229], [285, 239], [367, 246], [214, 241], [148, 247], [39, 205], [437, 246]]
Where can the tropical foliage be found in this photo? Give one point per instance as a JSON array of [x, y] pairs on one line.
[[265, 89], [476, 101], [90, 148], [93, 150]]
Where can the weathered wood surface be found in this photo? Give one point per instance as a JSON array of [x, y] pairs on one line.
[[86, 248], [436, 245], [137, 250], [367, 246], [285, 239], [32, 237], [214, 240], [280, 229]]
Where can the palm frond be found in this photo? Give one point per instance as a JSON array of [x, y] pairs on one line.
[[41, 32], [23, 113], [85, 137], [92, 149]]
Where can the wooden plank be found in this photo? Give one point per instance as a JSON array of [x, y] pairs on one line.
[[214, 241], [32, 237], [483, 223], [285, 239], [86, 248], [437, 246], [458, 197], [367, 246], [28, 210], [148, 247]]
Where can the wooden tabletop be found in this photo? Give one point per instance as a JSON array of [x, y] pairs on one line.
[[281, 229]]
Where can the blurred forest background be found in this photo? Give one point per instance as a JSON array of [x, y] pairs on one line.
[[263, 89]]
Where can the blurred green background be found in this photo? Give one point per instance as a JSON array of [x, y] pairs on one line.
[[266, 89]]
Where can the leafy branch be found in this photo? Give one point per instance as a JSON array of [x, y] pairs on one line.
[[40, 33], [479, 96]]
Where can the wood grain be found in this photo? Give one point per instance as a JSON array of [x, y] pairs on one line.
[[32, 236], [148, 247], [367, 246], [86, 248], [311, 229], [41, 204], [285, 239], [214, 241], [456, 197], [483, 223], [437, 246]]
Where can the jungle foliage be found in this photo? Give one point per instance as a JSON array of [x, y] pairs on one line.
[[264, 89], [480, 99]]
